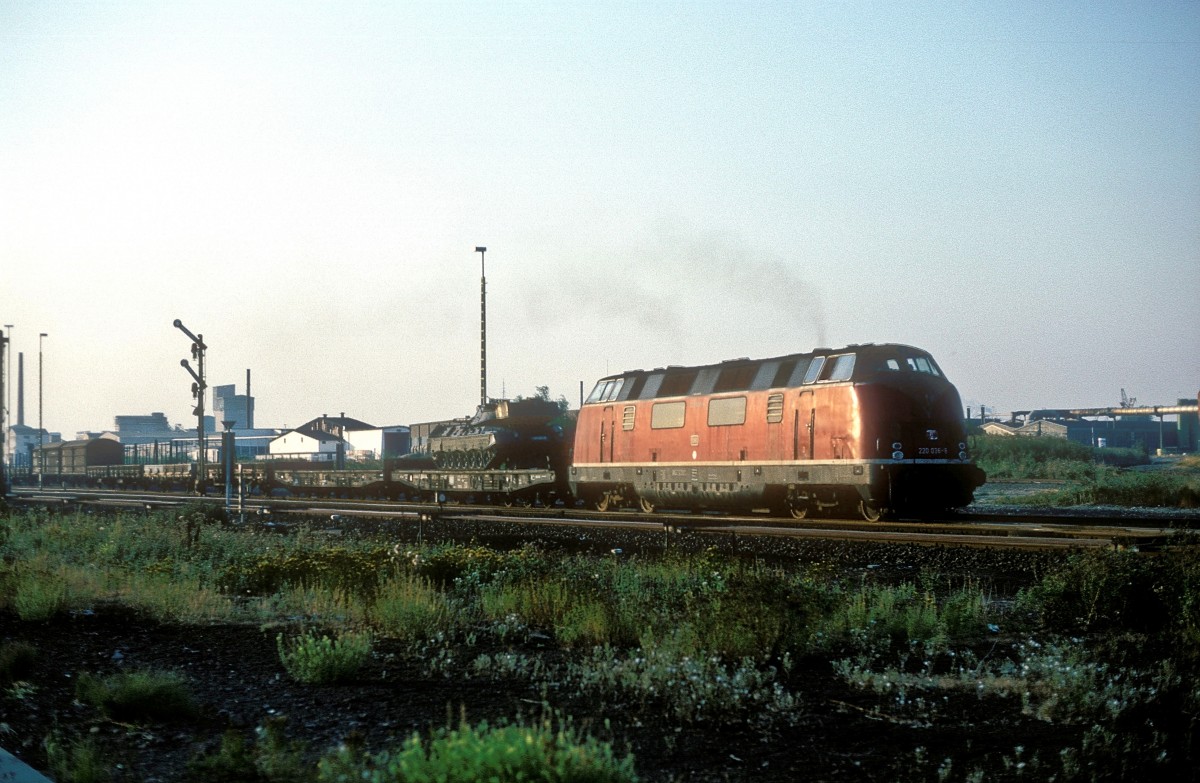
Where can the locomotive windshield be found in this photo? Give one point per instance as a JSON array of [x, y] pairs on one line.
[[916, 363], [606, 389]]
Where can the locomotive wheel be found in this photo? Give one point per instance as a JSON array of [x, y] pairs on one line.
[[603, 502], [869, 512], [647, 506]]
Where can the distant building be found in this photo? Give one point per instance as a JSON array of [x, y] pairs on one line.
[[230, 406], [1140, 432], [307, 443], [20, 444], [135, 428], [325, 437]]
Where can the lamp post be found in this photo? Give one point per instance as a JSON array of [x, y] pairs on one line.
[[198, 387], [41, 432], [4, 413], [483, 398]]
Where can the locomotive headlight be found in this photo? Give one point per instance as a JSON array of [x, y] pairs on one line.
[[962, 455], [897, 446], [897, 455], [962, 447]]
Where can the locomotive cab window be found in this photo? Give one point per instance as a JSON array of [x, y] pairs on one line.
[[598, 393], [839, 369], [814, 369], [923, 364]]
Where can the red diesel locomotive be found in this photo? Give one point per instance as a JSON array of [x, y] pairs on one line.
[[872, 428]]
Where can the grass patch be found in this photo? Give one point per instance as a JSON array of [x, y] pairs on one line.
[[139, 696], [690, 689], [76, 761], [408, 607], [902, 617]]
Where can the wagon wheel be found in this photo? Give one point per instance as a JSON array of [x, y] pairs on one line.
[[647, 506], [869, 511], [797, 507]]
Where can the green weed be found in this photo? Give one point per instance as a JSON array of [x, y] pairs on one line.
[[76, 761], [319, 660]]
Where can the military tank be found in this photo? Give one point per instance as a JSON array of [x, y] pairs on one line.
[[502, 435]]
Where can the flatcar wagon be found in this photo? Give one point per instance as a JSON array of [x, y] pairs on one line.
[[876, 429]]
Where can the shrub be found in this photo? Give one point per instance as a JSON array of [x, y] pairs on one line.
[[16, 661], [504, 754], [139, 696], [272, 757], [320, 660], [1107, 590]]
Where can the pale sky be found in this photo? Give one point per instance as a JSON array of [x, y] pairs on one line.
[[1013, 186]]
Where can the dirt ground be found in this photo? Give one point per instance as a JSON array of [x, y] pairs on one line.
[[236, 675], [841, 734]]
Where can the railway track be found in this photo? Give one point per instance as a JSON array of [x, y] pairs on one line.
[[1013, 529]]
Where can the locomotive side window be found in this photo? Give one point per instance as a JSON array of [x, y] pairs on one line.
[[814, 370], [726, 411], [627, 417], [667, 415], [774, 409], [892, 364], [614, 388]]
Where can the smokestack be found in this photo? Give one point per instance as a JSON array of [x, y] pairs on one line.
[[249, 403], [21, 389]]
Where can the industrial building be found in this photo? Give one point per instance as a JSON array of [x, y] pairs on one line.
[[1144, 428]]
